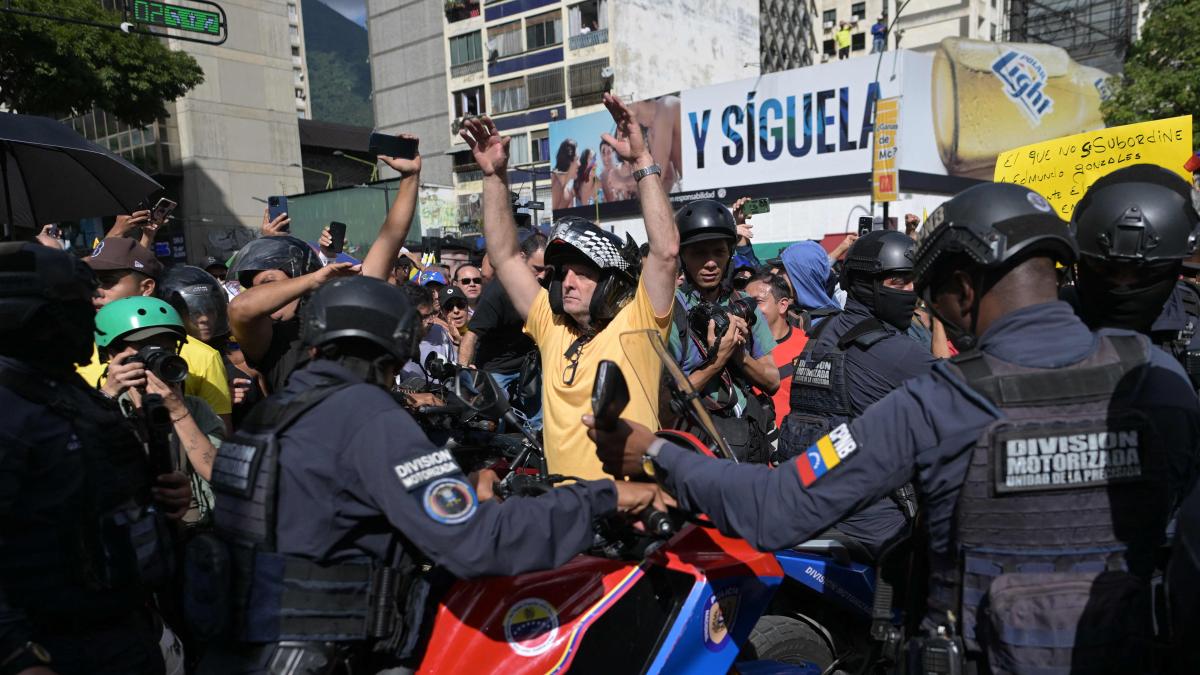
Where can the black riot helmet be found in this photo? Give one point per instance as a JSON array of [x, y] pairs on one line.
[[705, 219], [873, 257], [576, 239], [989, 228], [362, 308], [1142, 213], [46, 313], [294, 257], [199, 298]]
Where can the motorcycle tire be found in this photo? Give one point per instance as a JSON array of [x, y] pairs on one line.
[[787, 640]]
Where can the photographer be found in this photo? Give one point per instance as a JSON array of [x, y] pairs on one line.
[[734, 336], [141, 337]]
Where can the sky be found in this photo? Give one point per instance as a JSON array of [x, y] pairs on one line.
[[355, 10]]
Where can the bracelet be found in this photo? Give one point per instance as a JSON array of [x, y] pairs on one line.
[[642, 173], [176, 420]]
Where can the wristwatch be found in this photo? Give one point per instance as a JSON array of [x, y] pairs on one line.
[[642, 173], [649, 467], [28, 655]]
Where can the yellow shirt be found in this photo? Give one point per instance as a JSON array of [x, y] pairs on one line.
[[843, 38], [206, 375], [568, 449]]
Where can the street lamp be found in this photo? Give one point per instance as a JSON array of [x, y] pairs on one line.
[[328, 176], [373, 165]]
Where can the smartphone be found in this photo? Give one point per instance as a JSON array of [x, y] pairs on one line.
[[760, 205], [392, 146], [865, 223], [277, 206], [337, 231], [162, 210]]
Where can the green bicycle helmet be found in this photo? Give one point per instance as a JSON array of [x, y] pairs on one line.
[[136, 318]]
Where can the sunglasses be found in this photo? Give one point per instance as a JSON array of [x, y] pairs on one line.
[[470, 280], [572, 355]]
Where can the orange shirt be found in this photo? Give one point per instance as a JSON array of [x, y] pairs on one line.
[[786, 351]]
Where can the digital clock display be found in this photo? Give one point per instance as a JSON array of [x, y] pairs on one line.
[[176, 17]]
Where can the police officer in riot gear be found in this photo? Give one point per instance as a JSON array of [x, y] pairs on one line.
[[81, 542], [1135, 227], [330, 499], [733, 359], [1045, 466], [856, 358]]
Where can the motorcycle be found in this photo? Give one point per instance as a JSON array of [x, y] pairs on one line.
[[676, 596]]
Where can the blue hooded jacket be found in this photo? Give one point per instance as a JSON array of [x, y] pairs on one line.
[[807, 267]]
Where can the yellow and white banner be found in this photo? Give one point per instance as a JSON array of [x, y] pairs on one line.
[[885, 176]]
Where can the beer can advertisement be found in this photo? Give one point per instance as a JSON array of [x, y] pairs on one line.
[[809, 131], [1063, 169], [885, 179]]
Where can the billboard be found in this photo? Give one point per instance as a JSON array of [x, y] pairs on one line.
[[809, 130]]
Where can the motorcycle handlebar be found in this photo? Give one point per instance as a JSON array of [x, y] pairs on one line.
[[658, 523]]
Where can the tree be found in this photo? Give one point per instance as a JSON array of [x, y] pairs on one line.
[[340, 93], [1162, 69], [53, 68]]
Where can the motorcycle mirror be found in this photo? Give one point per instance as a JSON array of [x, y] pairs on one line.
[[480, 393], [610, 395]]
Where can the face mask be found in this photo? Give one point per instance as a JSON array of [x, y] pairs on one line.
[[894, 306], [1109, 305]]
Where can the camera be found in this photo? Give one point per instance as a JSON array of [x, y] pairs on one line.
[[164, 363], [703, 312]]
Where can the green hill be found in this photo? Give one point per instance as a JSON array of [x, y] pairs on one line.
[[339, 75]]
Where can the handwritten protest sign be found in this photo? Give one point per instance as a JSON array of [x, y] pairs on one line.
[[1061, 170], [885, 179]]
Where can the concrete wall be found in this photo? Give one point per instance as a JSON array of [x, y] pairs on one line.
[[237, 132], [408, 77], [654, 55]]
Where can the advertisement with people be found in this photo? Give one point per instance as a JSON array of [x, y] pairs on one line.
[[809, 130]]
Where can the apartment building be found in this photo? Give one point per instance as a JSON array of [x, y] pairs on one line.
[[788, 34], [299, 59], [921, 25]]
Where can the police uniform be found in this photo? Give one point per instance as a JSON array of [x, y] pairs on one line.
[[332, 499], [1177, 329], [853, 360], [928, 432]]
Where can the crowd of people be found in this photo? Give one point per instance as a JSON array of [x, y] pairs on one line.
[[1015, 392]]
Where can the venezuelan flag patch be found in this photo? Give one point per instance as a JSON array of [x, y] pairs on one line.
[[825, 454]]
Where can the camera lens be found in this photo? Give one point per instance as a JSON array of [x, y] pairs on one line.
[[167, 366]]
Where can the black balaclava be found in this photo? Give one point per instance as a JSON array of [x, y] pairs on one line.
[[1104, 304]]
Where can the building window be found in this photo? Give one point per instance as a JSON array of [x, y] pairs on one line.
[[294, 31], [858, 41], [993, 32], [469, 102], [299, 93], [509, 96], [588, 17], [518, 150], [295, 50], [829, 48], [540, 144], [829, 18], [292, 12], [545, 88], [465, 49], [543, 30], [505, 40], [587, 83], [858, 11]]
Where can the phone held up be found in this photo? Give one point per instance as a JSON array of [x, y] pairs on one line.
[[760, 205], [392, 146], [865, 224], [337, 232], [162, 210], [277, 206]]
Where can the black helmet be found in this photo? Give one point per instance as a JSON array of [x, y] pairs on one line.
[[1142, 213], [578, 239], [705, 219], [198, 297], [366, 308], [874, 256], [993, 224], [294, 257], [45, 304]]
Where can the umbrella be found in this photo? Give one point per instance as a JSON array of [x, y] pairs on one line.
[[50, 173]]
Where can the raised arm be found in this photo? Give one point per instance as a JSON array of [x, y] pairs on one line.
[[499, 226], [250, 312], [661, 266], [394, 230]]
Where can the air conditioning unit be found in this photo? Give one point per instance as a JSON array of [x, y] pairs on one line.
[[554, 114], [856, 18], [828, 25]]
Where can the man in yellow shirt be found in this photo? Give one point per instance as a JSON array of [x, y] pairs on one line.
[[595, 293], [125, 268], [842, 36]]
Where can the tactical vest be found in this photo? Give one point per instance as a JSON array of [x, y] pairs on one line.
[[1064, 502], [109, 547], [275, 597], [820, 397], [1178, 343]]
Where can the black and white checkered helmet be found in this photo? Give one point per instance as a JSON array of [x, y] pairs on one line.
[[578, 236]]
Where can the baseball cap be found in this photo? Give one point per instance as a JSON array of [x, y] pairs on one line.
[[431, 277], [450, 294], [122, 253], [212, 261]]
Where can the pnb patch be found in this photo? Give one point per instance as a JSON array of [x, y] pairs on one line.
[[813, 374], [825, 454], [416, 472], [720, 613], [450, 501], [1026, 462]]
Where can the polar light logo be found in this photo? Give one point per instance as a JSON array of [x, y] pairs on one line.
[[1024, 81]]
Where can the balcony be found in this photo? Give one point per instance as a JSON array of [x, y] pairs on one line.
[[469, 68], [590, 39], [458, 10], [469, 176]]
